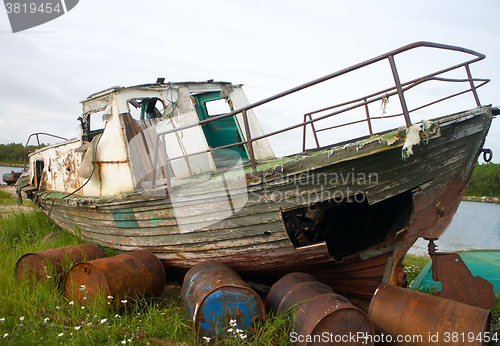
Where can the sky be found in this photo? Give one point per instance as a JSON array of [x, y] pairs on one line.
[[268, 46]]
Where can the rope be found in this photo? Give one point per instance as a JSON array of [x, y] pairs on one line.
[[385, 101]]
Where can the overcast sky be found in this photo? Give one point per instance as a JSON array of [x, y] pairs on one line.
[[269, 46]]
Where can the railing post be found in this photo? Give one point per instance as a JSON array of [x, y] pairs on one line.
[[368, 118], [304, 135], [314, 131], [400, 90], [473, 87], [168, 164], [249, 142], [155, 161]]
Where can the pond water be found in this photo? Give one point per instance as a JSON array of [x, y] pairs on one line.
[[476, 225]]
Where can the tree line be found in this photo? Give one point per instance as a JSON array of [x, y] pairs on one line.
[[14, 152], [485, 181]]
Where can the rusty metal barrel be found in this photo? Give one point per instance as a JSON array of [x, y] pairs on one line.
[[406, 317], [322, 317], [214, 295], [44, 265], [126, 276]]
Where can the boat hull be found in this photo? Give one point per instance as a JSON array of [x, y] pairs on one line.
[[419, 194], [11, 178]]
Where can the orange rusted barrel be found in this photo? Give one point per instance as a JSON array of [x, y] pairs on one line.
[[44, 265], [118, 278], [405, 317], [322, 317], [218, 300]]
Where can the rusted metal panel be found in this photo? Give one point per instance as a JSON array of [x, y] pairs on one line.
[[214, 295], [321, 317], [414, 318], [117, 279], [457, 281], [44, 265], [60, 167]]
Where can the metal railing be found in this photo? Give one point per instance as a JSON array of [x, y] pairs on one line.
[[398, 89], [37, 134]]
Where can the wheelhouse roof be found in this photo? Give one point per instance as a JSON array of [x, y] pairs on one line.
[[204, 85]]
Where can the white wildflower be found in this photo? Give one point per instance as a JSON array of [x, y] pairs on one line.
[[71, 303], [230, 330], [83, 307], [232, 323], [5, 335], [117, 316], [104, 320], [243, 336], [239, 331], [78, 327], [206, 338], [2, 319], [21, 318], [124, 342], [124, 301], [60, 335], [45, 320], [48, 276], [58, 307], [110, 297]]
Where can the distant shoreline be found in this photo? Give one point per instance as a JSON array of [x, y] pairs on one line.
[[485, 199], [7, 164]]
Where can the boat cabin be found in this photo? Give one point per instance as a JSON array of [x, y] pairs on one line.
[[130, 139]]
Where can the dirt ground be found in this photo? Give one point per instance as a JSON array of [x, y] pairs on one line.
[[7, 209]]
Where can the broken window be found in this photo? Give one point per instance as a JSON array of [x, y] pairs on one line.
[[147, 108], [217, 107], [92, 125]]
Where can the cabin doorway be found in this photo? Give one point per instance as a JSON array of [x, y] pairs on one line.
[[221, 132]]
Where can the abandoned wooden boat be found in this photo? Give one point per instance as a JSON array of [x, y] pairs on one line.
[[11, 178], [172, 174]]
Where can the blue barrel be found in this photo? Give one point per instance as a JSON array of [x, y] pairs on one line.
[[215, 296]]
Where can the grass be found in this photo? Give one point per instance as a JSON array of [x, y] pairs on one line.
[[6, 199], [38, 313], [413, 265]]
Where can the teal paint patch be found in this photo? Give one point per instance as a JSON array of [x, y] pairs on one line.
[[124, 218], [155, 222]]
